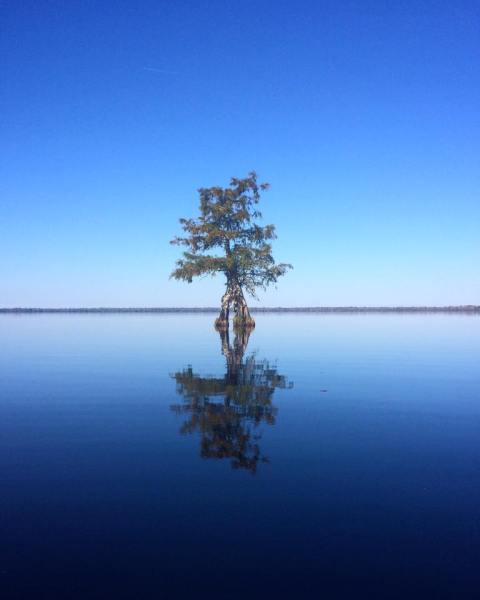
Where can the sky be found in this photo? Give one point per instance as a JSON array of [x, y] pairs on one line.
[[362, 115]]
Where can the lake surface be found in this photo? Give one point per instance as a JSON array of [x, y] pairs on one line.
[[142, 456]]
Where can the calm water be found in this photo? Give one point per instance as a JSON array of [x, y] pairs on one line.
[[141, 456]]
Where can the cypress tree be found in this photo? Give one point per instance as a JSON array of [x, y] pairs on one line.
[[226, 238]]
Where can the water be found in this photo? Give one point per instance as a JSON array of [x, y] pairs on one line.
[[328, 455]]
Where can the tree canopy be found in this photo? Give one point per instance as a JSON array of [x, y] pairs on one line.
[[226, 238]]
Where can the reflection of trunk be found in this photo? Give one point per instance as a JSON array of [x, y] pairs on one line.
[[234, 297], [234, 355]]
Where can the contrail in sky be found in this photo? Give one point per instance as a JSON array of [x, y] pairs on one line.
[[155, 70]]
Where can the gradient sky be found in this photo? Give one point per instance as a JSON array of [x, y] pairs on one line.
[[363, 116]]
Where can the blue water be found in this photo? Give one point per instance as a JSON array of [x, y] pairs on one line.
[[332, 456]]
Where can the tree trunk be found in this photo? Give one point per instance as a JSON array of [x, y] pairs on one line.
[[221, 323], [234, 296], [242, 319]]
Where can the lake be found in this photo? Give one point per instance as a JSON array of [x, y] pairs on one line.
[[143, 456]]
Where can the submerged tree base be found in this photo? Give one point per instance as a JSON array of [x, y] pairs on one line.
[[239, 324], [243, 323], [221, 324]]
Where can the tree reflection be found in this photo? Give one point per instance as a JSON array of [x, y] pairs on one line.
[[228, 411]]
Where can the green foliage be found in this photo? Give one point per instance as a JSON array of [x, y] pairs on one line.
[[226, 238]]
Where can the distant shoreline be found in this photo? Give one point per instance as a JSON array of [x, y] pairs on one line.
[[307, 309]]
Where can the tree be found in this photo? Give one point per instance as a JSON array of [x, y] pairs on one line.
[[226, 238]]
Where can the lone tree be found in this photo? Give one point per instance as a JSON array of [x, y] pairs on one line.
[[226, 239]]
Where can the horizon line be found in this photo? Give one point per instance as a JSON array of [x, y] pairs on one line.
[[465, 308]]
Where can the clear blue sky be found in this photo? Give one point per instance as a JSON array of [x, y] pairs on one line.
[[363, 116]]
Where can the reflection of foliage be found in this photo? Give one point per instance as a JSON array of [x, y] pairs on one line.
[[228, 411]]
